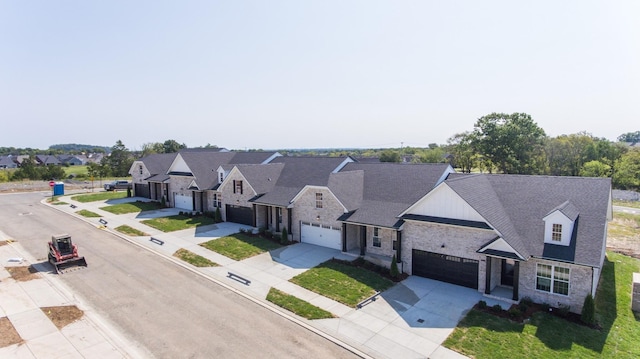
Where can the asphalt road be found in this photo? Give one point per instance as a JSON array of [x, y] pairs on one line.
[[168, 310]]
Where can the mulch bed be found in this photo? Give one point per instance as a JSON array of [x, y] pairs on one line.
[[9, 334], [515, 313], [23, 273], [64, 315], [382, 271]]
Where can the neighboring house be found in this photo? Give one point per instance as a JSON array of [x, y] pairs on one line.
[[194, 177], [72, 160], [149, 176], [47, 160], [7, 162], [529, 236]]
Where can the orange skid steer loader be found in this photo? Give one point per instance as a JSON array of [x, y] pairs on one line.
[[63, 253]]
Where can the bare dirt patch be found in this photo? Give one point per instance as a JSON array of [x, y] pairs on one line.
[[624, 235], [64, 315], [9, 334], [23, 274], [2, 243]]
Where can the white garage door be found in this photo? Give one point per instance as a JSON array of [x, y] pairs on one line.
[[319, 235], [184, 202]]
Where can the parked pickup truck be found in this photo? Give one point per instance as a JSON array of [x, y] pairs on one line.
[[116, 185]]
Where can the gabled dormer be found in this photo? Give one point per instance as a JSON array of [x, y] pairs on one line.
[[559, 224], [179, 167]]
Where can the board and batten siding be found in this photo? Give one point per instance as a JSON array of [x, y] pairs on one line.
[[445, 203]]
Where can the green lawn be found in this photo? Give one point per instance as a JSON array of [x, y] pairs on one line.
[[240, 246], [297, 305], [178, 222], [75, 170], [132, 207], [195, 259], [483, 335], [99, 196], [85, 213], [341, 282], [632, 204], [130, 231], [624, 225]]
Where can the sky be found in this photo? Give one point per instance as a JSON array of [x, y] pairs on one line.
[[311, 74]]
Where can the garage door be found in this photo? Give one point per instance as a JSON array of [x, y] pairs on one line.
[[450, 269], [141, 190], [325, 236], [184, 202], [239, 214]]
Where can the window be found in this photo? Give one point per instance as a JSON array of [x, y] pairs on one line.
[[552, 279], [237, 186], [376, 237], [318, 200], [556, 232], [217, 200], [395, 245], [221, 177]]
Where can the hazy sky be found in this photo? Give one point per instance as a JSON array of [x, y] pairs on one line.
[[308, 74]]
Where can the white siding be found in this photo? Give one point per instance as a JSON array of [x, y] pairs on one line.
[[444, 202]]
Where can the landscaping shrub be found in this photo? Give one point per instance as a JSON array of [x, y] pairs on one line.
[[218, 215], [163, 202], [588, 310], [393, 271], [284, 239], [482, 304], [563, 310], [496, 308], [514, 312], [527, 300], [523, 306]]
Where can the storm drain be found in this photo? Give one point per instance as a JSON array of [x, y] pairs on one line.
[[420, 320]]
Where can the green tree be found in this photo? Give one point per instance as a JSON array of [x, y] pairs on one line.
[[595, 169], [390, 156], [393, 270], [51, 172], [284, 238], [627, 171], [172, 146], [588, 314], [119, 161], [513, 143], [464, 156], [633, 137]]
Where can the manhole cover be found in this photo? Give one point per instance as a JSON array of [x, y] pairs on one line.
[[420, 321]]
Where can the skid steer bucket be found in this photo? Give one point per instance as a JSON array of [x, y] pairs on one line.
[[69, 264]]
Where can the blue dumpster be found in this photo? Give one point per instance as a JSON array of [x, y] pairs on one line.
[[58, 189]]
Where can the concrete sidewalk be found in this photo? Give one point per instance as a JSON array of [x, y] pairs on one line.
[[20, 303], [410, 320]]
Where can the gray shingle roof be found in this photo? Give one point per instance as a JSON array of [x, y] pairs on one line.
[[390, 188], [158, 164], [297, 173], [204, 164], [262, 177], [516, 204]]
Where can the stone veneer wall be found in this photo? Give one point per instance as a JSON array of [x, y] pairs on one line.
[[304, 209], [459, 241], [580, 279]]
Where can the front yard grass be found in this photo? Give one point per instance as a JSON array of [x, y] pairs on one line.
[[130, 231], [240, 246], [342, 282], [482, 335], [100, 196], [88, 214], [132, 207], [297, 305], [178, 222], [194, 259]]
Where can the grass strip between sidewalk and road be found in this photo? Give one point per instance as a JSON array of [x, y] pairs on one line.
[[130, 231], [194, 259], [240, 246], [178, 222], [482, 335], [297, 305], [342, 282], [100, 196], [132, 207], [88, 214]]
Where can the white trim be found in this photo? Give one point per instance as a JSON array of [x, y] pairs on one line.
[[316, 188], [271, 158], [344, 163], [179, 165]]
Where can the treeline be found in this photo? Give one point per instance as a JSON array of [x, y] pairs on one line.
[[61, 149]]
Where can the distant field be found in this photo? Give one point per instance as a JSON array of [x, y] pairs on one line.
[[75, 170]]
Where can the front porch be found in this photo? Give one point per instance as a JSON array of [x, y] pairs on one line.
[[502, 278]]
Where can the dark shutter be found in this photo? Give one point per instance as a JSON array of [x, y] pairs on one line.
[[234, 186]]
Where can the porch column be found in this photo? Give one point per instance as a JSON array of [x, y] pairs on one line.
[[516, 280], [399, 246], [344, 237], [363, 239], [487, 277], [289, 228], [254, 215]]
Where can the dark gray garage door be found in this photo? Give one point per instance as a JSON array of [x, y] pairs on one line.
[[142, 190], [239, 214], [450, 269]]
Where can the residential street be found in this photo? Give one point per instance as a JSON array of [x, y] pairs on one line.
[[166, 309]]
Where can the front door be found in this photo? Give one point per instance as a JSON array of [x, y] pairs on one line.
[[506, 277]]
